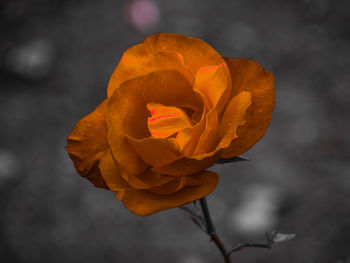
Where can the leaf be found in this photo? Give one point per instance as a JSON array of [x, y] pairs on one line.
[[280, 237], [270, 235], [231, 160], [198, 223]]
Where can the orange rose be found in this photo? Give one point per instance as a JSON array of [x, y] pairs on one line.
[[174, 107]]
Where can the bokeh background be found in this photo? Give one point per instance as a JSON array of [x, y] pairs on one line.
[[56, 57]]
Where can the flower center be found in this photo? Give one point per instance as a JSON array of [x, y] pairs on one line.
[[166, 121]]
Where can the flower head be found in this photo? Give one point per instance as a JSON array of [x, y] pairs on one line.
[[174, 107]]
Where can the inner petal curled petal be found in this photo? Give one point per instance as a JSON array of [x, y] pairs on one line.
[[165, 121]]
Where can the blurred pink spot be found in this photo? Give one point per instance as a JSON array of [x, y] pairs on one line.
[[143, 14]]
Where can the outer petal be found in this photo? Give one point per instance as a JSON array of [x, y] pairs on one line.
[[235, 116], [118, 179], [248, 75], [143, 202], [127, 114], [175, 185], [189, 165], [87, 143], [211, 81], [139, 60], [196, 53], [167, 60], [111, 173], [156, 151], [129, 63], [146, 180]]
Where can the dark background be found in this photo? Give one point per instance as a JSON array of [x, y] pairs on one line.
[[56, 57]]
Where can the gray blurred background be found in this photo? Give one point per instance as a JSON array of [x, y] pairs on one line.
[[56, 57]]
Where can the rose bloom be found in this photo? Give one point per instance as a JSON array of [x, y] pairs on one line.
[[174, 107]]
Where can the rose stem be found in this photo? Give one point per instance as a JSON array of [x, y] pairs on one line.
[[211, 231], [241, 246]]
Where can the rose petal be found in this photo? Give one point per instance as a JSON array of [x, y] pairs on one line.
[[211, 81], [118, 179], [143, 202], [87, 143], [213, 86], [248, 75], [190, 181], [235, 116], [146, 180], [139, 60], [168, 60], [166, 120], [156, 151], [127, 114], [159, 152], [111, 173], [188, 137], [189, 165], [210, 136], [175, 185], [129, 63], [195, 52]]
